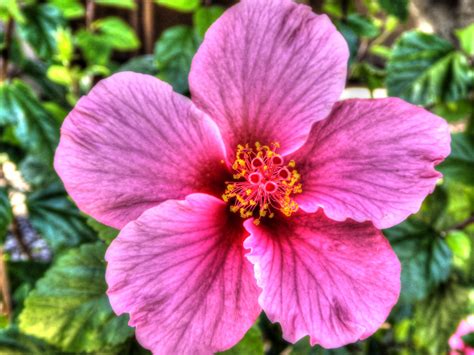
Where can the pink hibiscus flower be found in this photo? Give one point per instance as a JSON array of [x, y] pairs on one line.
[[456, 343], [260, 193]]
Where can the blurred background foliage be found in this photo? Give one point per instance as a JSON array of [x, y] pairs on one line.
[[51, 256]]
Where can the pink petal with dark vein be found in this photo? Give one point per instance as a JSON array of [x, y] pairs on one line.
[[267, 70], [132, 143], [372, 160], [181, 273], [333, 281]]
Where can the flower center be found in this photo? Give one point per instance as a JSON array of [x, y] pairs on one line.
[[264, 183]]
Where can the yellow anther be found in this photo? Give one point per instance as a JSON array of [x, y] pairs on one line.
[[257, 199]]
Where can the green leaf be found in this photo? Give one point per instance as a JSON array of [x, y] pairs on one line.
[[468, 339], [174, 52], [460, 202], [381, 51], [366, 73], [64, 46], [303, 347], [455, 110], [180, 5], [117, 33], [425, 69], [23, 276], [11, 8], [351, 38], [6, 214], [108, 33], [466, 39], [35, 130], [252, 343], [25, 272], [398, 8], [57, 219], [142, 64], [459, 166], [60, 75], [461, 246], [105, 233], [6, 113], [437, 318], [426, 258], [69, 307], [56, 111], [126, 4], [356, 26], [36, 172], [204, 17], [362, 26], [95, 49], [71, 9], [433, 207], [42, 22], [13, 342], [37, 71]]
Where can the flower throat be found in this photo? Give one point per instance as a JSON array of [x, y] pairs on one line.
[[264, 182]]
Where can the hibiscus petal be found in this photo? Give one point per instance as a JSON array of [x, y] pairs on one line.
[[132, 143], [181, 273], [267, 70], [372, 160], [333, 281]]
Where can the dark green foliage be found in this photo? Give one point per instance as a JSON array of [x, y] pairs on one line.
[[56, 218], [84, 321], [13, 342], [204, 17], [5, 213], [33, 127], [398, 8], [425, 258], [252, 343], [460, 164], [437, 317], [173, 53], [144, 64], [425, 69], [105, 233], [39, 29], [468, 339]]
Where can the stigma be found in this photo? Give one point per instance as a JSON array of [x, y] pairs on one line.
[[264, 183]]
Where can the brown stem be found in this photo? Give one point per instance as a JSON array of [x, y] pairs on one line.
[[18, 234], [148, 25], [134, 21], [345, 9], [5, 52], [90, 13], [461, 225], [6, 302]]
